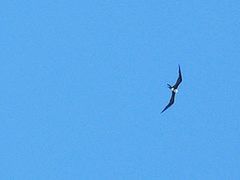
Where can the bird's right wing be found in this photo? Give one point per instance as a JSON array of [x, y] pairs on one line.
[[170, 102], [179, 80]]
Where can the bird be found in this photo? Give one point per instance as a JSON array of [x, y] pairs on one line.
[[174, 89]]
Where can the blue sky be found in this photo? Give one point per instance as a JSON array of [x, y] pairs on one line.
[[83, 84]]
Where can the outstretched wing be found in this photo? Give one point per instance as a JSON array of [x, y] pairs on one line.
[[170, 102], [179, 80]]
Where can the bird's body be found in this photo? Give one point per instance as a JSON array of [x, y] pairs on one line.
[[174, 89]]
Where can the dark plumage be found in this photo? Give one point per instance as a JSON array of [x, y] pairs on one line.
[[174, 89], [179, 80]]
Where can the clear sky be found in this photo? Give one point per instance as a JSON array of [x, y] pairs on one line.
[[83, 84]]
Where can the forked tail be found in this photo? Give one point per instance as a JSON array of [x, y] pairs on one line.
[[169, 86]]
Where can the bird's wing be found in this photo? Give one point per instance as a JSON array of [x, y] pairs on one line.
[[179, 80], [170, 102]]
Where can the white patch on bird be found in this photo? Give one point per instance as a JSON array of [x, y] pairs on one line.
[[174, 90]]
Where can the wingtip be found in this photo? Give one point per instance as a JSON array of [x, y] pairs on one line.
[[179, 68]]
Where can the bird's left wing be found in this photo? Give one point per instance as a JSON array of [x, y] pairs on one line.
[[170, 102]]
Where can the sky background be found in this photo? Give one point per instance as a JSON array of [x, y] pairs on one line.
[[83, 84]]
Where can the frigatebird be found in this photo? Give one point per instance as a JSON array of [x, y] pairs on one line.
[[174, 89]]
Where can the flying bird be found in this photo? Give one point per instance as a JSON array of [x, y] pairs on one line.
[[174, 89]]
